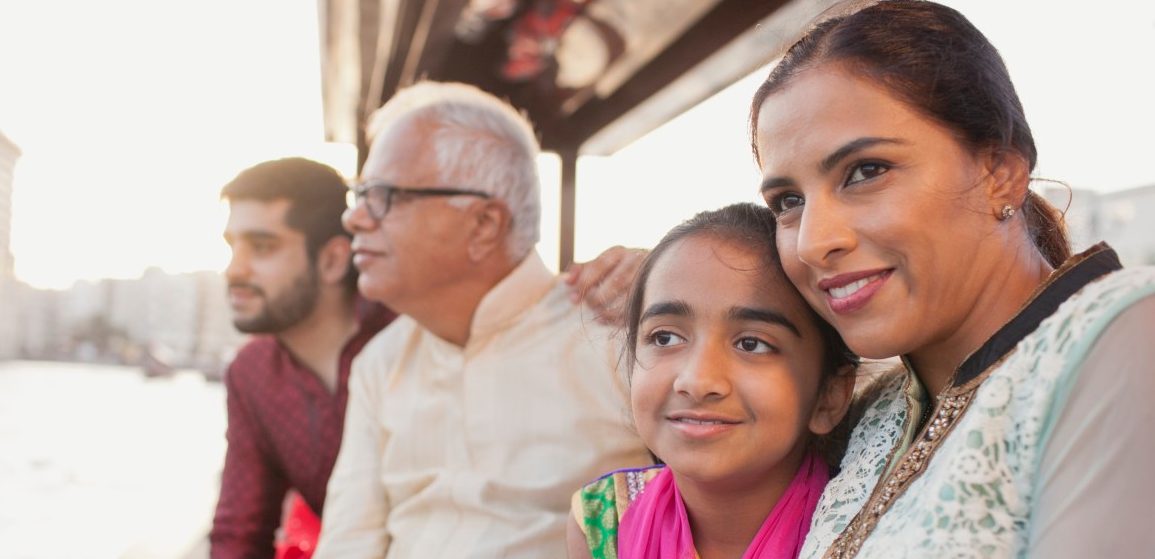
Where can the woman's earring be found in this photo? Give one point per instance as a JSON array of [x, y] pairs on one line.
[[1008, 212]]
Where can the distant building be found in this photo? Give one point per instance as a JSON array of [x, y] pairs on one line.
[[1125, 219], [182, 320], [40, 334], [9, 346], [217, 339], [9, 153]]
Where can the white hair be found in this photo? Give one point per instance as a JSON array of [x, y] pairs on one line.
[[479, 142]]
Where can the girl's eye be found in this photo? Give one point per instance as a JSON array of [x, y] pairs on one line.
[[866, 171], [784, 202], [754, 345], [665, 338]]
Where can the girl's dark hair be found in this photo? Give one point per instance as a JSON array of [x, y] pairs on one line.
[[752, 226], [937, 62]]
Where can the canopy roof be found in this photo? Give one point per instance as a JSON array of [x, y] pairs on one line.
[[591, 74]]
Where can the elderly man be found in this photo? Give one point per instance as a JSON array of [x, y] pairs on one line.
[[473, 418]]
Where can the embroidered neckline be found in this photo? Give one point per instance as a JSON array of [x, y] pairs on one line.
[[1072, 276], [954, 401]]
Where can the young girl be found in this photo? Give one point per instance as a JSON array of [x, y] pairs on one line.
[[733, 379]]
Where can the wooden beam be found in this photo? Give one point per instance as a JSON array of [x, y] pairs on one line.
[[400, 41], [432, 39], [341, 77]]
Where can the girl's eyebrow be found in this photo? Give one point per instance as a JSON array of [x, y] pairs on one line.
[[666, 308], [764, 315]]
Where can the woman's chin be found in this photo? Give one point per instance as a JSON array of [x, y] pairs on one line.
[[868, 345]]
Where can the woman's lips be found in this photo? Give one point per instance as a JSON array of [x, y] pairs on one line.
[[847, 293]]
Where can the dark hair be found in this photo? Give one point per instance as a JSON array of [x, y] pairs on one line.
[[752, 226], [932, 58], [316, 195]]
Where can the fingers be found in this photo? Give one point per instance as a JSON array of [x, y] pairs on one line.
[[586, 275], [573, 278], [604, 283]]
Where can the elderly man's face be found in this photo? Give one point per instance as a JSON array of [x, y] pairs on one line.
[[417, 252]]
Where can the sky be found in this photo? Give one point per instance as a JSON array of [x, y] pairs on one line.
[[133, 113]]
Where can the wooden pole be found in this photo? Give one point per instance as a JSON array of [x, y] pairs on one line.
[[569, 156]]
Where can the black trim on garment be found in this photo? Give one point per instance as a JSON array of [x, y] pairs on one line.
[[1095, 263]]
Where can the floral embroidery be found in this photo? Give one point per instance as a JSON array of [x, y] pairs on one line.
[[974, 498]]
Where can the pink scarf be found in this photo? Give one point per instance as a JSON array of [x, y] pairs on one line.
[[656, 526]]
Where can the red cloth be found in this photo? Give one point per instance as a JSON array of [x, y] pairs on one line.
[[299, 530], [535, 36], [284, 431]]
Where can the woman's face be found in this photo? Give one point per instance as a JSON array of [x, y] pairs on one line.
[[884, 220], [728, 366]]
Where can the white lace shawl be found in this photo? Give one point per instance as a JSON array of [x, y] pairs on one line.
[[975, 497]]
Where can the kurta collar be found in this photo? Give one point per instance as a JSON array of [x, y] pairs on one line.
[[1073, 275], [511, 297]]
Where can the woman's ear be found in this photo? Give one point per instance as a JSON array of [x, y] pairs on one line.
[[833, 401], [491, 225], [1009, 178], [333, 259]]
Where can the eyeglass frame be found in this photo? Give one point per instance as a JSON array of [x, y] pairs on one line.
[[361, 191]]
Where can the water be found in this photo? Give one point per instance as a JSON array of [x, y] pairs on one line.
[[100, 462]]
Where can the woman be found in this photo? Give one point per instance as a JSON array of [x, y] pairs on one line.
[[896, 158]]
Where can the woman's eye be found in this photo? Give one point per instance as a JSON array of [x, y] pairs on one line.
[[754, 345], [663, 338], [784, 202], [866, 171]]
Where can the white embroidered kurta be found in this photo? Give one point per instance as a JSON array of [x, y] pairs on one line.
[[1053, 457], [473, 452]]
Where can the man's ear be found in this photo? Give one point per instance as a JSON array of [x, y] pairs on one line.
[[333, 259], [1008, 178], [833, 401], [491, 222]]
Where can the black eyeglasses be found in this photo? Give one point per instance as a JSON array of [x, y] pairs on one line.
[[378, 196]]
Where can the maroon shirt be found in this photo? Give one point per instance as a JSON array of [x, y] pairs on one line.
[[284, 431]]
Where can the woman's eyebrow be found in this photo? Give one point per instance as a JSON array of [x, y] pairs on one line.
[[830, 161], [849, 148], [774, 182]]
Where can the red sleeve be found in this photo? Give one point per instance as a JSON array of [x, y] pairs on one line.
[[252, 490]]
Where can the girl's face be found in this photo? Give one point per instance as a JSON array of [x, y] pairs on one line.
[[726, 384], [885, 220]]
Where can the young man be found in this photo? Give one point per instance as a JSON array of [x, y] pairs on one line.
[[291, 285]]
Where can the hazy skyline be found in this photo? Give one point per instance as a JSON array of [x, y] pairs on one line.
[[132, 113]]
